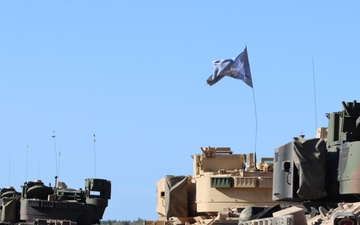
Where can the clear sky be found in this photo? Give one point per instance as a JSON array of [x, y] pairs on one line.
[[134, 74]]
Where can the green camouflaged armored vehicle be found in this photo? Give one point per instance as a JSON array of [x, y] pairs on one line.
[[41, 204]]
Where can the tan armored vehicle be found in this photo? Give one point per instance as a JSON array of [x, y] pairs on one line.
[[223, 184]]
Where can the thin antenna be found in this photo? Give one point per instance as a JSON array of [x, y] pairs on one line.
[[27, 153], [313, 65], [9, 169], [39, 167], [59, 159], [94, 156], [53, 136]]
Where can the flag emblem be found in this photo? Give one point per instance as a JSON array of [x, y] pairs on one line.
[[238, 68]]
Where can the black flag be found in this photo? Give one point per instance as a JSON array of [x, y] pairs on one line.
[[238, 68]]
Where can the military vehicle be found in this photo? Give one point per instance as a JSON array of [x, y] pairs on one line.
[[313, 181], [222, 184], [41, 204]]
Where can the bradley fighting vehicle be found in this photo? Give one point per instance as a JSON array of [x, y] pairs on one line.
[[313, 181], [41, 204], [222, 185]]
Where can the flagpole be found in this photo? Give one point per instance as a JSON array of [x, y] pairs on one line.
[[255, 124], [252, 87]]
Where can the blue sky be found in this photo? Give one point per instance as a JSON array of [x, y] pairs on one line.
[[133, 73]]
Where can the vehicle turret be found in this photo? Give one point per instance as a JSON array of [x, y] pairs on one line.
[[221, 181], [41, 204], [325, 169]]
